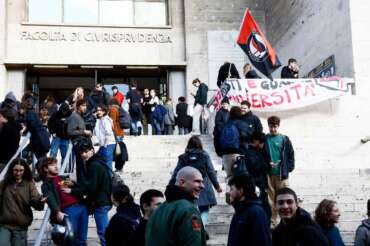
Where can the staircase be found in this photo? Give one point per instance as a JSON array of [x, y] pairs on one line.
[[153, 158]]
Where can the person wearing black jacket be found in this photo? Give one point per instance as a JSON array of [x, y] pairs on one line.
[[249, 225], [98, 96], [296, 226], [252, 122], [258, 165], [222, 116], [58, 129], [200, 104], [123, 225], [149, 202], [9, 135], [291, 71], [96, 186], [227, 70], [250, 73], [183, 120], [282, 161]]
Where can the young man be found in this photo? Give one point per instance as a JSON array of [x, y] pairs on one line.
[[124, 224], [249, 225], [222, 116], [97, 186], [251, 121], [363, 231], [62, 204], [296, 226], [117, 94], [258, 165], [249, 72], [149, 202], [98, 96], [282, 161], [177, 221], [291, 71], [135, 100], [200, 104]]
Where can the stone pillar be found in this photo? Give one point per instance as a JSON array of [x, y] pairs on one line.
[[16, 82], [176, 84], [2, 48]]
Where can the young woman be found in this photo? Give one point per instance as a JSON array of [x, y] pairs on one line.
[[18, 194], [196, 157], [146, 110], [104, 134], [327, 215], [77, 95]]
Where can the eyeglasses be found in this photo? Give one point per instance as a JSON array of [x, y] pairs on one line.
[[287, 201]]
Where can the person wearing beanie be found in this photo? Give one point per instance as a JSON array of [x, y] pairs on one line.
[[123, 225]]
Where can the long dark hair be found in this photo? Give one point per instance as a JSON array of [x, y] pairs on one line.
[[194, 143], [323, 211], [9, 177]]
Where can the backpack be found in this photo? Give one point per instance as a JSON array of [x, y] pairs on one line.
[[229, 138], [239, 166], [124, 119], [61, 126], [196, 160]]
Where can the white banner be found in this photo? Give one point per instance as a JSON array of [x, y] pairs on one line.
[[282, 94]]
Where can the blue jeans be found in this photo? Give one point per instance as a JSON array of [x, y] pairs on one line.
[[183, 131], [156, 127], [108, 154], [101, 221], [79, 218], [135, 125], [59, 144]]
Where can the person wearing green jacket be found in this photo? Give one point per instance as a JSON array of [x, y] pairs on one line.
[[177, 221], [97, 188]]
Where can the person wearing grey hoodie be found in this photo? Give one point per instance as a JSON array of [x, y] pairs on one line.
[[362, 237], [169, 118]]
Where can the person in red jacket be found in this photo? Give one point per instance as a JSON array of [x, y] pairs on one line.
[[116, 94]]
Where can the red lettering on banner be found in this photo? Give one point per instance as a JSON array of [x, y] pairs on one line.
[[251, 84], [264, 101], [288, 96], [254, 101], [295, 87], [309, 89], [280, 98]]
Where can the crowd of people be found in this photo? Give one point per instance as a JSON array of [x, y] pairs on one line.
[[257, 167]]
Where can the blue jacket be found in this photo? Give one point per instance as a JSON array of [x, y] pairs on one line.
[[159, 112], [201, 96], [249, 225], [333, 235]]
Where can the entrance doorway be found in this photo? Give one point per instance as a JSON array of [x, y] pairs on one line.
[[61, 82]]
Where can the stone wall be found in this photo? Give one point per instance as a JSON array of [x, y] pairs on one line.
[[311, 31], [202, 16]]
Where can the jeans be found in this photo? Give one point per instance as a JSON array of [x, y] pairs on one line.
[[183, 131], [101, 221], [108, 154], [156, 127], [136, 127], [59, 144], [204, 213], [79, 218], [10, 237]]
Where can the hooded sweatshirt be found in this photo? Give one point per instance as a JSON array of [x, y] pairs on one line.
[[363, 234]]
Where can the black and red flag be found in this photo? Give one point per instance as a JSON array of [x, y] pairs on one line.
[[254, 43]]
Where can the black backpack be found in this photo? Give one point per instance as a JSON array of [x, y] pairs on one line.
[[239, 166], [196, 160], [124, 119], [61, 126]]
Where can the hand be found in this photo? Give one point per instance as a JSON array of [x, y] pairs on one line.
[[43, 199], [67, 190], [60, 216], [68, 183], [273, 164], [219, 190], [88, 133], [191, 93]]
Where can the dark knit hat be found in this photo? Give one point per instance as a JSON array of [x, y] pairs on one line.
[[225, 100]]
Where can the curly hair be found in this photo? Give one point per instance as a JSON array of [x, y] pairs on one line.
[[323, 211]]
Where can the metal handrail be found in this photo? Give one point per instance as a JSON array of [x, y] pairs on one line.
[[45, 220], [23, 143]]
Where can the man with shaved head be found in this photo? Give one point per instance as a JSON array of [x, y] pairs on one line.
[[177, 221]]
